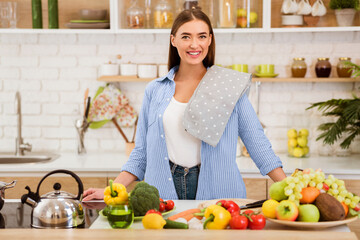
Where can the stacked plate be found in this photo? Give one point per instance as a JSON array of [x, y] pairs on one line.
[[90, 19]]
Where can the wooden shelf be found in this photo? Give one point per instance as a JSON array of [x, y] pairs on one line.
[[136, 79]]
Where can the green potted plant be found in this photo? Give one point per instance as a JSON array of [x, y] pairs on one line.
[[344, 11], [347, 112]]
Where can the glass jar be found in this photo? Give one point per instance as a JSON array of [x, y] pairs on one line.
[[189, 4], [163, 15], [120, 216], [227, 14], [298, 142], [343, 70], [135, 16], [323, 68], [298, 68]]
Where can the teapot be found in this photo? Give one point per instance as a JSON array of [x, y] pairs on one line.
[[4, 186], [56, 209]]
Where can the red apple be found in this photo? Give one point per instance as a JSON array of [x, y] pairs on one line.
[[287, 210]]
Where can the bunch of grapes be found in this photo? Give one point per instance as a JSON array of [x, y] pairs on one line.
[[308, 177]]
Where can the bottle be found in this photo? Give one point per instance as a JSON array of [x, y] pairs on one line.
[[227, 14], [343, 70], [163, 15], [120, 215], [36, 13], [298, 68], [135, 16], [53, 13], [323, 68]]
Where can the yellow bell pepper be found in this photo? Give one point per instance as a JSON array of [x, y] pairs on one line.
[[217, 217], [115, 194]]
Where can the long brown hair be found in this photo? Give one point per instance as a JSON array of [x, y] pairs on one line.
[[184, 17]]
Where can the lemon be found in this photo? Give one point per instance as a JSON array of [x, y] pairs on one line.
[[153, 221], [306, 150], [253, 17], [241, 12], [298, 152], [269, 208], [292, 133], [292, 142], [304, 132], [302, 141]]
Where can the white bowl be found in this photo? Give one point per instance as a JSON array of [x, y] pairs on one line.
[[147, 71], [128, 69], [292, 20], [109, 69]]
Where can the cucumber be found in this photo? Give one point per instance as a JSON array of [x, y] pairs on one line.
[[175, 225]]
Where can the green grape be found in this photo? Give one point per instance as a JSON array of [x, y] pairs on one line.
[[302, 185], [292, 197], [312, 184], [289, 180], [306, 177], [347, 201], [298, 188], [350, 195], [328, 182], [322, 175], [319, 186], [340, 182], [341, 188], [340, 198], [296, 179], [343, 193], [352, 204], [356, 199], [312, 175], [288, 192], [334, 186], [298, 195], [297, 202], [331, 177], [335, 191], [292, 185]]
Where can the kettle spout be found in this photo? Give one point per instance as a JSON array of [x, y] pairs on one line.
[[30, 198]]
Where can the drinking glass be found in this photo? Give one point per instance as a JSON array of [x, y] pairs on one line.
[[120, 216], [12, 14]]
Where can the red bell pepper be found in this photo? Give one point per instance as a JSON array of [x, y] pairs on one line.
[[230, 206]]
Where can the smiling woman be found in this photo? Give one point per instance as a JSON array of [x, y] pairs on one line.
[[177, 159]]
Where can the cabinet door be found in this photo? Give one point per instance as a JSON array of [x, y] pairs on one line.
[[255, 188], [68, 184]]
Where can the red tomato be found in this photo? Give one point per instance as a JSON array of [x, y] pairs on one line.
[[238, 222], [161, 200], [235, 213], [153, 211], [169, 205], [248, 212], [258, 222], [162, 207]]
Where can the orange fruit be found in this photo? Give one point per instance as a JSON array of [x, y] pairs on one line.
[[309, 194], [346, 208]]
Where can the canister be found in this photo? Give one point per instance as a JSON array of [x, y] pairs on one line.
[[147, 71]]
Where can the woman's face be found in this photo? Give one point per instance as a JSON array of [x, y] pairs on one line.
[[192, 41]]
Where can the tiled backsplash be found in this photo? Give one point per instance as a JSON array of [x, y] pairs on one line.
[[52, 72]]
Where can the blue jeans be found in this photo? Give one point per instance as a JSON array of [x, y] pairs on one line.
[[185, 180]]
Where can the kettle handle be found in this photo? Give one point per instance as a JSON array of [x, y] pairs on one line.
[[78, 180]]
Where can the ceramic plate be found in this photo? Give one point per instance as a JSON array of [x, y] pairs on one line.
[[163, 213], [266, 75], [326, 224]]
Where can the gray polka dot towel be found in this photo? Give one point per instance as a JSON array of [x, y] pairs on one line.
[[213, 101]]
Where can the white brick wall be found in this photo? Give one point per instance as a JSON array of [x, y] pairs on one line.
[[52, 72]]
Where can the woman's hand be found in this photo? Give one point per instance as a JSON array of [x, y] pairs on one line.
[[93, 193]]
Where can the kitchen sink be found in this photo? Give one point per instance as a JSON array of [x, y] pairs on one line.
[[11, 158]]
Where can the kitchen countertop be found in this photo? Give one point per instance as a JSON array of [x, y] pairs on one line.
[[271, 231], [109, 165]]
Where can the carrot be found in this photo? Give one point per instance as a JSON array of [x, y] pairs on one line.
[[187, 214]]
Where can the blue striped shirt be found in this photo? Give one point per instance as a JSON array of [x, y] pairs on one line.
[[219, 174]]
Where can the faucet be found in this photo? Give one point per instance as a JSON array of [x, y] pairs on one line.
[[20, 145]]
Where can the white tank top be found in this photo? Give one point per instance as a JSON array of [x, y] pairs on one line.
[[183, 148]]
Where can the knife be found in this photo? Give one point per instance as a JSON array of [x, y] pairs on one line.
[[253, 204]]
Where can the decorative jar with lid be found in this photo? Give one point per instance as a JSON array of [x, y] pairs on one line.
[[343, 69], [298, 68], [163, 15], [323, 68], [135, 16]]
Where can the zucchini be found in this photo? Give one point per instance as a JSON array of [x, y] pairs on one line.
[[175, 225]]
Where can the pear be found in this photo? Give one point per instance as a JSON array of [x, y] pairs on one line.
[[277, 191]]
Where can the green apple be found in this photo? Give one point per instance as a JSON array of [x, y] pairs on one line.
[[304, 132], [292, 133], [308, 213], [302, 141], [287, 210], [277, 191]]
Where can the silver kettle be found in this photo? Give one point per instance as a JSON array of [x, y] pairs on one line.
[[56, 209], [4, 186]]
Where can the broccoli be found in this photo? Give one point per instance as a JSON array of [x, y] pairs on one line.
[[143, 198]]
